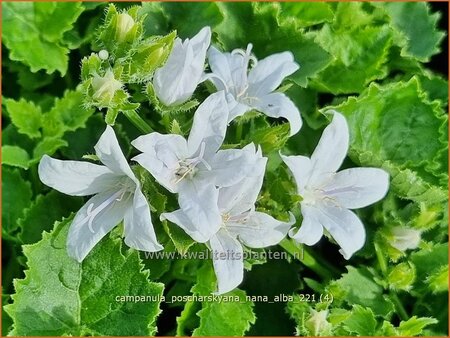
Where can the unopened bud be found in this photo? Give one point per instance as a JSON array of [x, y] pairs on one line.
[[124, 25], [405, 238], [105, 87]]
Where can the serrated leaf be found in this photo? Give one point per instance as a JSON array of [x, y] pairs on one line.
[[360, 57], [418, 36], [16, 196], [48, 146], [438, 281], [189, 18], [67, 114], [221, 318], [307, 13], [26, 25], [414, 326], [382, 121], [59, 296], [43, 213], [357, 286], [26, 116], [361, 321], [15, 156], [428, 261]]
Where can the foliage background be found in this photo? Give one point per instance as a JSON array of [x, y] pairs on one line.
[[383, 65]]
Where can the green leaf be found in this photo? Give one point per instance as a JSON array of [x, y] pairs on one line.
[[189, 18], [307, 13], [48, 146], [59, 296], [53, 19], [357, 286], [397, 128], [43, 213], [414, 326], [260, 25], [15, 156], [438, 280], [16, 196], [429, 261], [359, 58], [67, 114], [417, 28], [180, 239], [26, 116], [361, 321], [221, 318], [39, 26]]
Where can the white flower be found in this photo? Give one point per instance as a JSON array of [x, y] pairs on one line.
[[254, 89], [327, 194], [117, 197], [240, 224], [194, 168], [175, 82]]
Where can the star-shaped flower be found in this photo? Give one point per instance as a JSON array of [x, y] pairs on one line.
[[327, 194], [254, 88], [240, 225], [117, 197], [196, 167], [175, 82]]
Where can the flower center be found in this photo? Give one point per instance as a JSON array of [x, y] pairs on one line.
[[106, 205], [241, 81], [188, 168]]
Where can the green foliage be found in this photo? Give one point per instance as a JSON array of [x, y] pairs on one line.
[[62, 297], [372, 61], [41, 26]]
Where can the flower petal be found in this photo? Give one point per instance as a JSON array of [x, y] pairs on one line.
[[111, 155], [241, 197], [300, 167], [230, 166], [161, 154], [228, 261], [209, 125], [279, 105], [268, 73], [139, 232], [260, 230], [230, 71], [75, 177], [358, 187], [344, 226], [331, 149], [311, 230], [81, 239], [198, 200], [175, 82], [235, 108], [179, 218]]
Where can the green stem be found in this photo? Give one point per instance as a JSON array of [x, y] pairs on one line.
[[138, 121], [392, 294], [399, 306], [239, 129], [303, 255]]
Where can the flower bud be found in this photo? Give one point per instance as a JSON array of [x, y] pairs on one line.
[[125, 24], [404, 238], [105, 87], [317, 323]]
